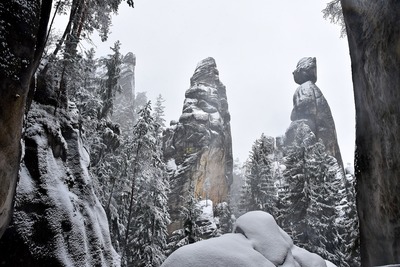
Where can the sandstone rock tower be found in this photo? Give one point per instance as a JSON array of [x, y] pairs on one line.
[[311, 107], [199, 146]]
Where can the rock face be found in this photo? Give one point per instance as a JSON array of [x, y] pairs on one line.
[[199, 146], [22, 37], [257, 241], [58, 220], [124, 111], [373, 35], [311, 107]]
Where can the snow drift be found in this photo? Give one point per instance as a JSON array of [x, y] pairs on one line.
[[257, 241]]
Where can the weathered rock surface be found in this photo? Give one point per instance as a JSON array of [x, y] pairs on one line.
[[23, 33], [58, 220], [199, 146], [124, 110], [310, 106], [374, 41]]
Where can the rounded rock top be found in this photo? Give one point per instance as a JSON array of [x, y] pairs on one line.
[[306, 70]]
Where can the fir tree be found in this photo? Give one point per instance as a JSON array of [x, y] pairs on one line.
[[159, 113], [324, 183], [109, 87], [348, 220], [151, 214], [147, 214], [313, 178], [190, 213], [260, 188], [236, 190], [295, 202]]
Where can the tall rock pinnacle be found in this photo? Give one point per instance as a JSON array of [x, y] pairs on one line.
[[198, 148], [311, 107]]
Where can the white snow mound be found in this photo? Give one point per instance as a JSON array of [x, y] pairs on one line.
[[258, 241]]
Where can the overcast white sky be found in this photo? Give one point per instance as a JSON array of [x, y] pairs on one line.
[[256, 44]]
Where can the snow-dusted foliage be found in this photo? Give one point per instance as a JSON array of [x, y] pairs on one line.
[[145, 226], [305, 188], [224, 218], [348, 219], [190, 213], [58, 219], [159, 114], [201, 220], [260, 192], [257, 241], [236, 187], [314, 181]]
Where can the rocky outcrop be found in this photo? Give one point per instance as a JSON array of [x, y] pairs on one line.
[[199, 146], [23, 33], [58, 220], [311, 107], [124, 110], [373, 35]]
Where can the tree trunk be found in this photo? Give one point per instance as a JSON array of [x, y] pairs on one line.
[[23, 32], [373, 30]]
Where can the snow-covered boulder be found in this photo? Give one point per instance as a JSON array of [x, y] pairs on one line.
[[258, 241], [233, 250]]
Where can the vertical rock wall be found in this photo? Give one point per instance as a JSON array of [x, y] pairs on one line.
[[23, 32], [374, 41], [58, 220], [199, 146]]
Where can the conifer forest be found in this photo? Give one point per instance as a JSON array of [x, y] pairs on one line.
[[94, 173]]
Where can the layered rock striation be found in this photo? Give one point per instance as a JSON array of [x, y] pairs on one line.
[[311, 107], [198, 148]]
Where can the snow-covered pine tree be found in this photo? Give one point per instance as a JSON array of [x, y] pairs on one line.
[[139, 103], [294, 201], [225, 218], [190, 213], [147, 215], [151, 217], [235, 194], [86, 97], [245, 195], [324, 177], [103, 136], [348, 220], [109, 86], [260, 185], [313, 178], [159, 113]]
